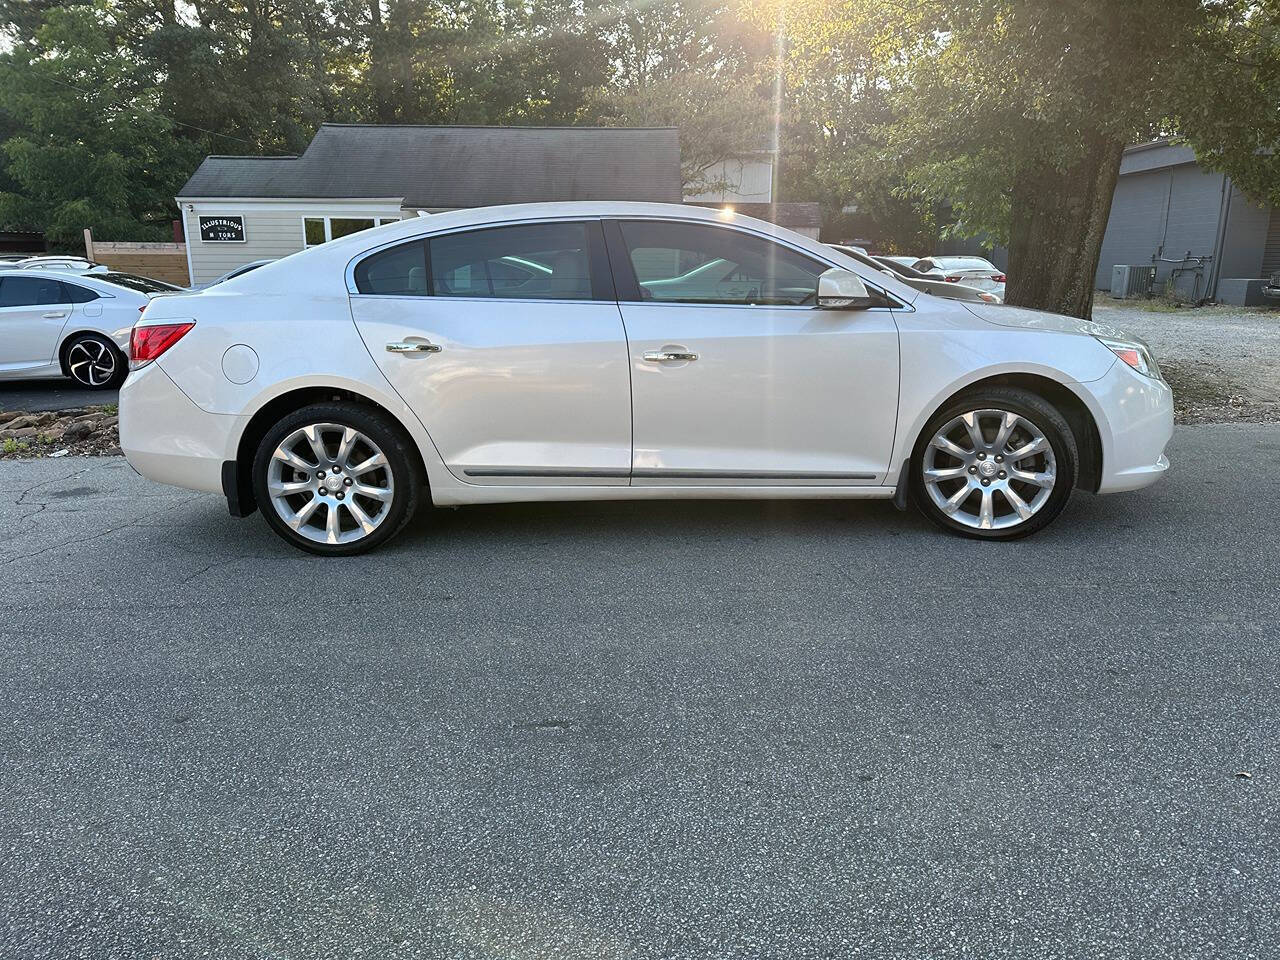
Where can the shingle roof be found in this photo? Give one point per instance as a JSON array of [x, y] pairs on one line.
[[458, 166]]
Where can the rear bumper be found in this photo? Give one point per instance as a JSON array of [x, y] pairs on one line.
[[167, 438], [1135, 420]]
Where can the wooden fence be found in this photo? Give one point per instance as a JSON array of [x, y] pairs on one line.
[[159, 261]]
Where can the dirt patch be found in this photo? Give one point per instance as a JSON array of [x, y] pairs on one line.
[[1204, 393], [79, 431]]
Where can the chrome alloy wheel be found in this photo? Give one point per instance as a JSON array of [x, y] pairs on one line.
[[91, 362], [989, 469], [330, 483]]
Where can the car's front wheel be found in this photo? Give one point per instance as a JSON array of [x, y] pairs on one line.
[[336, 478], [996, 464]]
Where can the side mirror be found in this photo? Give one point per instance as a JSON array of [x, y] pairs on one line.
[[842, 290]]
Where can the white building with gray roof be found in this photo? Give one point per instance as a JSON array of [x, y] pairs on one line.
[[351, 177]]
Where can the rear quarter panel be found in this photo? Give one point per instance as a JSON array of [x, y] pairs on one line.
[[300, 340]]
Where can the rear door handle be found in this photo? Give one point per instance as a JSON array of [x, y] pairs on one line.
[[413, 346], [55, 315], [669, 356]]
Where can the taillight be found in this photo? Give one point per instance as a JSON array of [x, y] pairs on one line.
[[998, 278], [952, 279], [149, 341]]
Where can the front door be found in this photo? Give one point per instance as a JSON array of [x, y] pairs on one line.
[[737, 377], [33, 311], [508, 344]]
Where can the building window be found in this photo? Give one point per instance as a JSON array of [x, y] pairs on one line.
[[318, 230]]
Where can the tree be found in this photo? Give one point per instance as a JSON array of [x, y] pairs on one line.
[[1017, 113], [1226, 98], [91, 149], [691, 64]]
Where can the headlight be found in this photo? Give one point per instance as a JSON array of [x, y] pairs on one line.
[[1136, 355]]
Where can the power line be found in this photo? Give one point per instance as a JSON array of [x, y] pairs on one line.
[[155, 113]]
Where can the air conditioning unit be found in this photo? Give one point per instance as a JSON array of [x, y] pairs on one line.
[[1129, 281]]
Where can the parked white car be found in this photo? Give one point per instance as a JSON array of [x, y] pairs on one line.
[[558, 352], [973, 271], [74, 325], [238, 271]]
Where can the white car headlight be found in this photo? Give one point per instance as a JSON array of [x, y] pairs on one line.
[[1136, 355]]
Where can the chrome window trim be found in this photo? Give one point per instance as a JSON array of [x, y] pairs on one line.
[[896, 302]]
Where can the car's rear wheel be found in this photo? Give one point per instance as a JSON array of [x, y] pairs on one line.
[[94, 362], [336, 478], [996, 464]]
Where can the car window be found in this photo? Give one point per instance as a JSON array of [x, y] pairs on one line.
[[923, 265], [79, 294], [399, 271], [701, 263], [31, 292], [541, 261]]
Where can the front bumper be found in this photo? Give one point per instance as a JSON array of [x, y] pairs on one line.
[[1135, 419], [166, 437]]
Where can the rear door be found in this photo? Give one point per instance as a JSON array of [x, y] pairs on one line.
[[508, 344], [33, 311]]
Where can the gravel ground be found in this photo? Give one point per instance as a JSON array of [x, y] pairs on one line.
[[1222, 362], [643, 731]]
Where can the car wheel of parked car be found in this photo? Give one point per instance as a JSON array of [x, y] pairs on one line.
[[996, 464], [93, 361], [336, 478]]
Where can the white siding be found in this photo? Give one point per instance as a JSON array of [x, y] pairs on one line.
[[270, 231]]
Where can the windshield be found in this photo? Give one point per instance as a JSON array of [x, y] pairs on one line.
[[140, 284]]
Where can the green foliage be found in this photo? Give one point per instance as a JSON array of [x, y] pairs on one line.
[[929, 118], [85, 147], [1227, 95]]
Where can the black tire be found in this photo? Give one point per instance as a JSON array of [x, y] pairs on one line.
[[403, 465], [1042, 416], [84, 357]]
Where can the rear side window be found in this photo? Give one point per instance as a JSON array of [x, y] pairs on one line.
[[398, 272], [31, 292], [77, 294], [541, 261]]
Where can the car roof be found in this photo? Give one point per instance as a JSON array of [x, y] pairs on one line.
[[346, 249], [94, 281]]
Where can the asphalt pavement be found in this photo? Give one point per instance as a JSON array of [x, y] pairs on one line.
[[646, 730], [60, 394]]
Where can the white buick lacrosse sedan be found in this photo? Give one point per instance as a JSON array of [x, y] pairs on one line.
[[576, 351]]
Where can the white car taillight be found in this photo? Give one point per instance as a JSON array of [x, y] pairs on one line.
[[149, 341]]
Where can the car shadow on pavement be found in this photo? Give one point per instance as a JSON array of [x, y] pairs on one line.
[[56, 394]]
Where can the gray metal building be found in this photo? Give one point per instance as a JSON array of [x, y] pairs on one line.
[[1194, 226]]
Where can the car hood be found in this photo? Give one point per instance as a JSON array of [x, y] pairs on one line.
[[1005, 316]]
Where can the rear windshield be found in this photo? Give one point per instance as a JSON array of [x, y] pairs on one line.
[[964, 263], [141, 284]]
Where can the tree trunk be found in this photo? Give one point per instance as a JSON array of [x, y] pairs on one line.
[[1058, 219], [384, 105]]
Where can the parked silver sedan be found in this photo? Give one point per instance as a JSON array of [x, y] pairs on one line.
[[973, 271]]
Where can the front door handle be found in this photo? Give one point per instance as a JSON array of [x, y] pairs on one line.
[[412, 346], [55, 314], [669, 356]]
